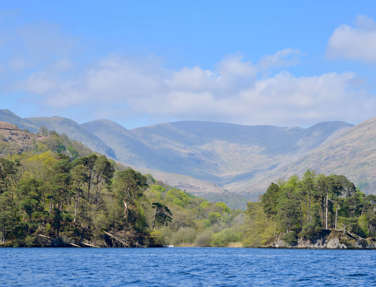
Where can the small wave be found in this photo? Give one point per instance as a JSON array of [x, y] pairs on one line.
[[357, 275]]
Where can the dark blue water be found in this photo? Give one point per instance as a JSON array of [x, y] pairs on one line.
[[186, 267]]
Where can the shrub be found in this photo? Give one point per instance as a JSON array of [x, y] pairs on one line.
[[224, 237], [204, 239]]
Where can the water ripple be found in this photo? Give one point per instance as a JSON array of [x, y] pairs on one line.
[[186, 267]]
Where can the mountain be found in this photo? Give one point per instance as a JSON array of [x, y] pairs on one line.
[[126, 148], [74, 131], [207, 153], [351, 152], [210, 157], [9, 117]]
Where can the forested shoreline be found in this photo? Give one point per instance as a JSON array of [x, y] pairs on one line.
[[301, 212], [55, 192]]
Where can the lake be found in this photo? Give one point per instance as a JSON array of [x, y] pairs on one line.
[[186, 267]]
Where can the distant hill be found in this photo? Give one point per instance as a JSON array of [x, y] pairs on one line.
[[205, 157], [351, 152], [205, 152], [217, 152]]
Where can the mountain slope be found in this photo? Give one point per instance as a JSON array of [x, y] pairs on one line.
[[211, 152], [14, 141], [121, 141], [74, 131], [352, 153], [204, 157]]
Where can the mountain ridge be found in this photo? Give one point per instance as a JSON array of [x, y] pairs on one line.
[[199, 156], [75, 131]]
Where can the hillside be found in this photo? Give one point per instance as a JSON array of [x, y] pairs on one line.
[[55, 192], [351, 152], [74, 131], [14, 141], [204, 152], [200, 157]]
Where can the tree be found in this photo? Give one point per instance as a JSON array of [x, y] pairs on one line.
[[9, 219], [128, 184], [102, 175], [289, 212], [308, 189], [60, 182], [88, 163], [8, 172], [162, 216], [323, 195], [30, 195], [270, 199]]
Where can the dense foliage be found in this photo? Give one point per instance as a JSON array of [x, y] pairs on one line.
[[54, 192], [303, 208], [51, 199], [196, 221]]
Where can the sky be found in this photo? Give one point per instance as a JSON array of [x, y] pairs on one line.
[[285, 63]]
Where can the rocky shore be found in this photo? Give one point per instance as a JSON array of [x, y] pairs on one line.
[[329, 239]]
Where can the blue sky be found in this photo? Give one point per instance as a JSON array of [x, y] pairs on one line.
[[144, 62]]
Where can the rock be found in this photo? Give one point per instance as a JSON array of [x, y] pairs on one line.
[[330, 239], [279, 243], [334, 243]]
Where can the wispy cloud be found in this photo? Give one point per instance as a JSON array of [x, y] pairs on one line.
[[236, 90], [356, 42]]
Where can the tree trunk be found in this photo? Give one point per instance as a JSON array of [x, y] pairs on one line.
[[89, 186], [75, 209], [125, 209], [309, 209], [326, 210], [335, 223]]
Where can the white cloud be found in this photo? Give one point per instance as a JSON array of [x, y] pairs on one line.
[[283, 58], [355, 43], [236, 91]]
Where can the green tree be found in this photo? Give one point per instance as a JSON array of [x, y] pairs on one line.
[[162, 216], [8, 172], [270, 199]]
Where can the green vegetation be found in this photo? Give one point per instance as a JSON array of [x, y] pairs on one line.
[[50, 199], [195, 221], [56, 192], [305, 208]]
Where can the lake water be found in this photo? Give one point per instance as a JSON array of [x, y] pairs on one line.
[[186, 267]]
